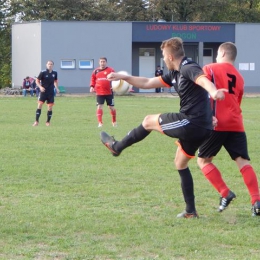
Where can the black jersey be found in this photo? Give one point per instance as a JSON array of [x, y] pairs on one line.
[[194, 100], [47, 80]]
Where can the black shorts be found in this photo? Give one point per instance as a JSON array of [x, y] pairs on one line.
[[46, 96], [108, 98], [190, 136], [235, 144]]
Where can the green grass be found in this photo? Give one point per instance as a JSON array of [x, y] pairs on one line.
[[63, 196]]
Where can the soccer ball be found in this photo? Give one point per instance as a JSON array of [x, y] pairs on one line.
[[120, 87]]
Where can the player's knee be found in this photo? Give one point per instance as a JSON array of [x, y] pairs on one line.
[[176, 163], [180, 164], [200, 162], [147, 122]]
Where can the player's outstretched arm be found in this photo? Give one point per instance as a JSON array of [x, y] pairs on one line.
[[139, 82], [216, 94]]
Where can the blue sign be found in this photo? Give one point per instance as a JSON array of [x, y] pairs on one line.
[[189, 32]]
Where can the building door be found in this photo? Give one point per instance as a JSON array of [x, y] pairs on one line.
[[207, 56], [146, 65]]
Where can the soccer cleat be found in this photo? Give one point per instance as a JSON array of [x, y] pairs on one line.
[[36, 123], [185, 214], [100, 124], [256, 209], [48, 124], [114, 124], [224, 202], [109, 141]]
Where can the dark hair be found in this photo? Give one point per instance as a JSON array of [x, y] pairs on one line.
[[103, 58]]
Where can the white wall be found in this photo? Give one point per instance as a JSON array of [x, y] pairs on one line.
[[26, 49]]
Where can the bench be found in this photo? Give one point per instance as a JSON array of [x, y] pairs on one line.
[[62, 90], [12, 91]]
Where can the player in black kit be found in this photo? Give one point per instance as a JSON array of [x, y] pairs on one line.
[[46, 81], [191, 125]]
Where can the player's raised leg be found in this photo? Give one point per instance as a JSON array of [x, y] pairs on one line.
[[149, 124]]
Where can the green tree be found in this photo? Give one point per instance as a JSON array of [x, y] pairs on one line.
[[5, 45], [133, 10], [53, 9], [117, 10], [205, 10]]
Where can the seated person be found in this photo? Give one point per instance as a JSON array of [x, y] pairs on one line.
[[36, 89], [27, 86]]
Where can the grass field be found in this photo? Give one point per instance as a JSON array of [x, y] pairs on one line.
[[63, 196]]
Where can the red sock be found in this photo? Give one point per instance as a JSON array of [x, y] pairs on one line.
[[113, 114], [99, 115], [213, 175], [251, 182]]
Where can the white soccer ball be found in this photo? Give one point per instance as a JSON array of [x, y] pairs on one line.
[[120, 87]]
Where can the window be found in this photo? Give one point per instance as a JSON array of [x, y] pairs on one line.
[[86, 64], [68, 64], [146, 52], [207, 52]]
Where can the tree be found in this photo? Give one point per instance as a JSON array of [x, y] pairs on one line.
[[117, 10], [5, 45], [133, 10]]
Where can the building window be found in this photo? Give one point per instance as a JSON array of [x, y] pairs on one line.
[[68, 64], [86, 64], [207, 52], [146, 52], [207, 56]]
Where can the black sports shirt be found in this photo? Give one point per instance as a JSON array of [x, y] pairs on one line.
[[47, 80], [194, 100]]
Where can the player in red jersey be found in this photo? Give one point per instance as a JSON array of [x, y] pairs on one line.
[[229, 130], [100, 84]]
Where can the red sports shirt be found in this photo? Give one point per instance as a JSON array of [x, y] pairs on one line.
[[99, 81], [227, 111]]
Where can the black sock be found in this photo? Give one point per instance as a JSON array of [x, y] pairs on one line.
[[134, 136], [187, 189], [38, 114], [49, 114]]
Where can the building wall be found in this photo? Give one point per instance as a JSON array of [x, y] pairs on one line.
[[26, 50], [71, 40], [248, 41], [34, 43]]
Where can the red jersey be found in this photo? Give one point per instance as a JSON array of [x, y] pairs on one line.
[[227, 111], [99, 81]]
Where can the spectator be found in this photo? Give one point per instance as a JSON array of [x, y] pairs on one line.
[[35, 88], [158, 72], [27, 86]]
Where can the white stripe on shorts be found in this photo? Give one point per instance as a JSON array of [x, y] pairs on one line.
[[175, 124]]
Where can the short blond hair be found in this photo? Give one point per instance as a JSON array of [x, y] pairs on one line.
[[230, 50], [175, 46]]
